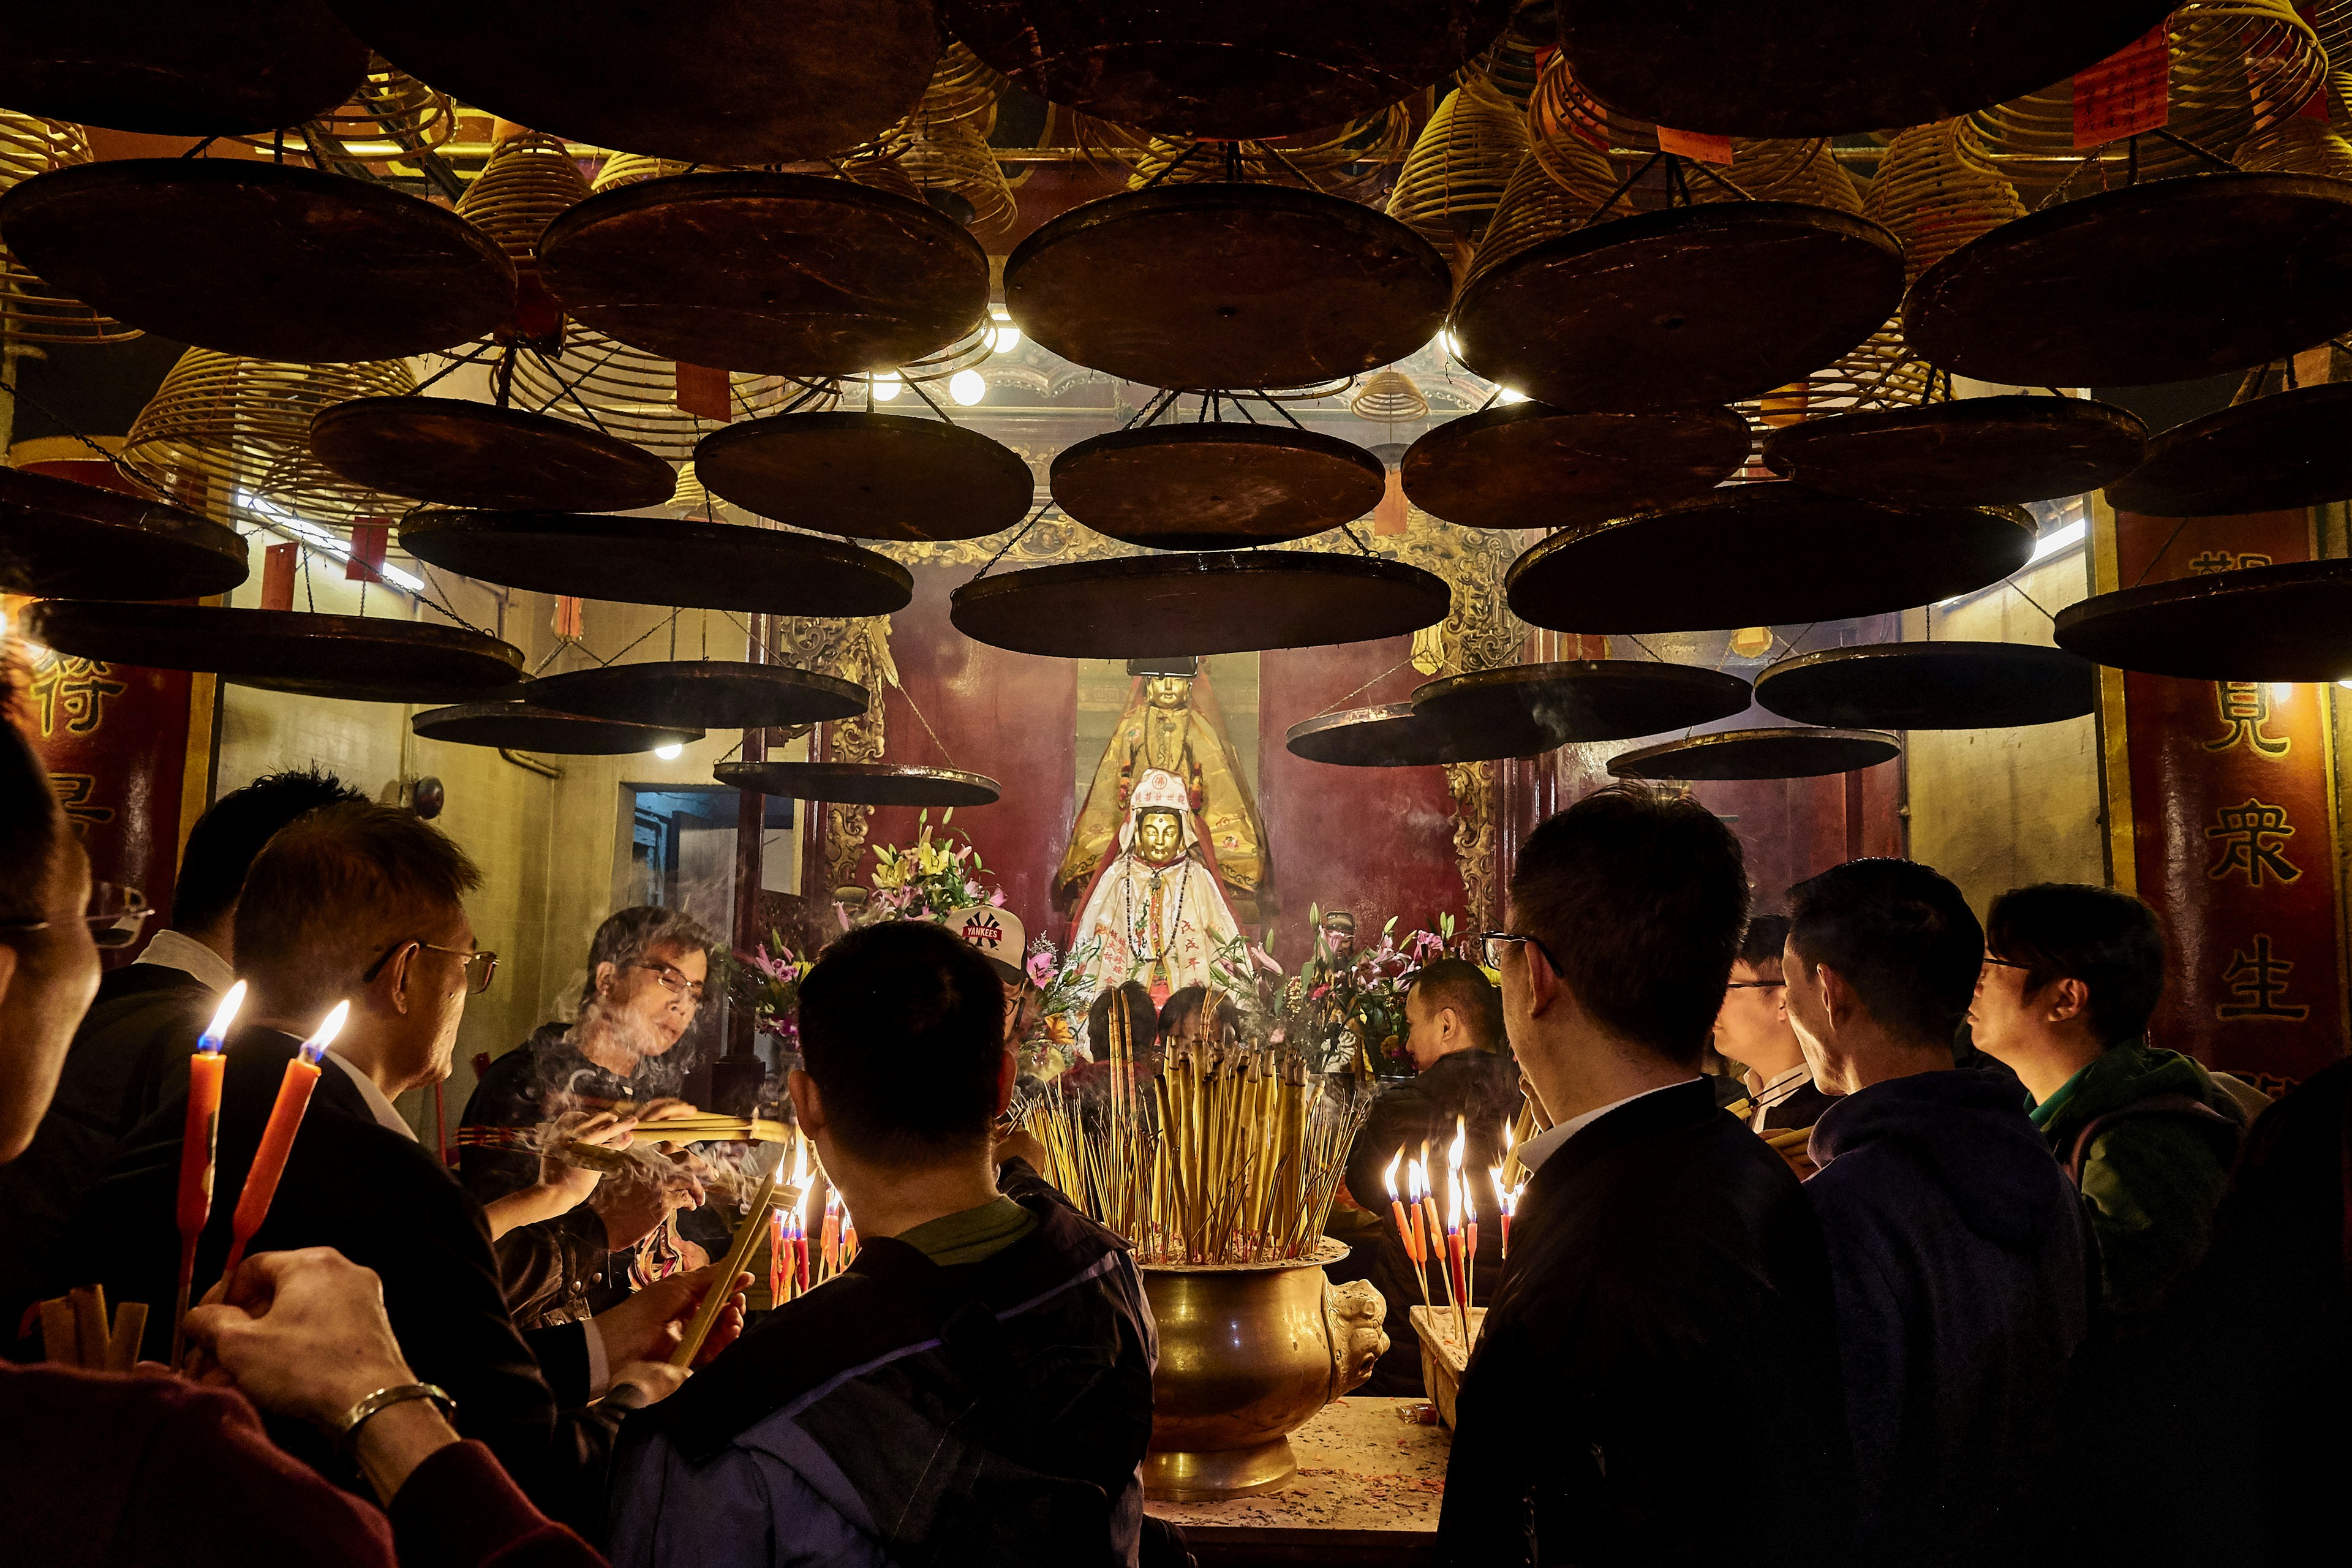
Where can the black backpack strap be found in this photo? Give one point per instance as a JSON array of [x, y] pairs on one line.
[[2078, 1154]]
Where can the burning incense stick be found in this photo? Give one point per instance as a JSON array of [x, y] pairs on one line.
[[714, 1301], [278, 1137], [198, 1143]]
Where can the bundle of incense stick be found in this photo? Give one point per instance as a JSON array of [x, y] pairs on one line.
[[1228, 1154], [75, 1331]]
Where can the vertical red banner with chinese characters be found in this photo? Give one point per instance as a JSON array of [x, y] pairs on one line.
[[2232, 808]]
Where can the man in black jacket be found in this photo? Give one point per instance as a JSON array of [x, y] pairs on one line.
[[1668, 1301], [362, 903], [131, 1053]]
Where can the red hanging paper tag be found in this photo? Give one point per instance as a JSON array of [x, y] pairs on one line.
[[704, 392], [1391, 515], [365, 562], [278, 576], [2126, 93], [537, 317], [1695, 144], [568, 616]]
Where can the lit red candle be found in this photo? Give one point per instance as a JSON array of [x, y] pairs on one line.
[[197, 1143], [1457, 1285], [1506, 1203], [278, 1137], [780, 1244], [829, 1244]]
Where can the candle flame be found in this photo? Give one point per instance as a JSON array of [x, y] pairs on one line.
[[214, 1032], [1461, 1141], [1510, 1139], [1502, 1196], [1390, 1174], [324, 1036], [808, 1191]]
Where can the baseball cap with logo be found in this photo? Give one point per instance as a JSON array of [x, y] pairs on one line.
[[997, 933]]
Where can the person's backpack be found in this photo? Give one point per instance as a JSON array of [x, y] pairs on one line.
[[2078, 1153]]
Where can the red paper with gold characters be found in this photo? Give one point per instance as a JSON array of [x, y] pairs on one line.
[[2234, 830]]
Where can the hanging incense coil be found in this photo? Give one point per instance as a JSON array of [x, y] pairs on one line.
[[528, 179], [1368, 145], [963, 87], [1461, 164], [633, 395], [1390, 397], [389, 113], [1540, 205], [30, 309], [1782, 170], [222, 423], [1937, 189], [949, 164], [692, 498], [2236, 67], [1515, 63], [2299, 145]]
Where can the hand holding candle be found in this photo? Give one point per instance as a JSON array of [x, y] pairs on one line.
[[197, 1143], [278, 1137]]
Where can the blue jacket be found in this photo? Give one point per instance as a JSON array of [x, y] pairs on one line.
[[1964, 1282], [907, 1413]]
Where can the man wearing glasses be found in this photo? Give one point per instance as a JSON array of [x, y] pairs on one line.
[[1753, 1030], [1667, 1294]]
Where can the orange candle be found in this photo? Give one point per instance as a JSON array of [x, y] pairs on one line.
[[779, 1249], [198, 1140], [829, 1242], [278, 1137]]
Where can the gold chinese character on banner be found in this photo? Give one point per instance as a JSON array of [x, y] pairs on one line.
[[2259, 981], [2251, 840], [73, 690], [2213, 560], [76, 792], [2245, 708]]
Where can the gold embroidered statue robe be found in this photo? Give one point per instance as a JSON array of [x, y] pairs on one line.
[[1172, 724]]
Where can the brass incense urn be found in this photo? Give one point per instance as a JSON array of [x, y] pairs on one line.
[[1247, 1352]]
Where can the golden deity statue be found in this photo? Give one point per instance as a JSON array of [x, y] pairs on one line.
[[1156, 914], [1171, 724]]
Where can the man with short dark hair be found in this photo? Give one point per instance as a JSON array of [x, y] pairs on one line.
[[1960, 1258], [1753, 1031], [976, 1388], [2072, 975], [1462, 1074], [131, 1053], [365, 903], [1667, 1300]]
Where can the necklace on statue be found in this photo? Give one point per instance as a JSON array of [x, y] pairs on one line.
[[1137, 927]]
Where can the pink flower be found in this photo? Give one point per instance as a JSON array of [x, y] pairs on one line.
[[1264, 960], [996, 898], [1041, 970]]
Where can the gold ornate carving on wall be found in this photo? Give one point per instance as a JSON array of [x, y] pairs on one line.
[[856, 650]]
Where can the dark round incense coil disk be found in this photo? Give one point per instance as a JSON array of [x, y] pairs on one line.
[[1222, 601], [774, 274], [674, 562], [362, 658], [1762, 554], [62, 539], [267, 259], [2172, 280], [181, 71], [702, 694], [720, 81], [1931, 686], [1390, 735], [1228, 68], [870, 476], [1524, 708], [530, 727], [1529, 465], [2289, 622], [1688, 305], [1218, 284], [1790, 754], [1215, 485], [2270, 454], [863, 783], [1833, 67], [1973, 451], [458, 453]]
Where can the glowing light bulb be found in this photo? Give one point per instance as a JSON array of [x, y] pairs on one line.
[[885, 386], [999, 313], [967, 388], [670, 752], [1005, 340], [1508, 397]]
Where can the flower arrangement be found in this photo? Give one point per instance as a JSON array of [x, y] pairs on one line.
[[1063, 993], [928, 880], [1352, 1012], [768, 982]]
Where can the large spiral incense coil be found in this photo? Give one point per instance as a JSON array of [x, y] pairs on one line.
[[1880, 372], [633, 395], [2302, 146], [1389, 398], [691, 499], [1937, 190], [1800, 169], [1460, 164], [31, 309], [1512, 65], [393, 114], [222, 423], [874, 163], [963, 88], [2237, 67], [1537, 206], [949, 158], [528, 180], [1374, 141]]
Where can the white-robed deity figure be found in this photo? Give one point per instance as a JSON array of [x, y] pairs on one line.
[[1156, 907]]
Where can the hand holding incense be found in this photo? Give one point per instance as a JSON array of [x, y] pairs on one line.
[[198, 1143], [714, 1301], [278, 1137]]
